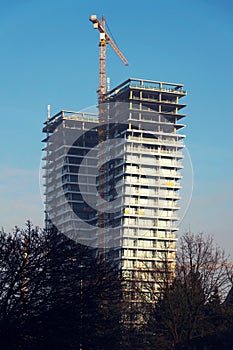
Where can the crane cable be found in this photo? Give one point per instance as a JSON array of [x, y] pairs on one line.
[[110, 32]]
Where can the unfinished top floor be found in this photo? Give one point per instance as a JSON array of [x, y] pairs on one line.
[[152, 85]]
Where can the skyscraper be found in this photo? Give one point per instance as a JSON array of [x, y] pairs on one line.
[[120, 196]]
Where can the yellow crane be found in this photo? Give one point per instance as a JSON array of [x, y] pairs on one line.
[[104, 40]]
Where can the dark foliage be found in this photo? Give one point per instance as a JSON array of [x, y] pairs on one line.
[[56, 294]]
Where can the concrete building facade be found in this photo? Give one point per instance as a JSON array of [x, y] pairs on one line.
[[134, 222]]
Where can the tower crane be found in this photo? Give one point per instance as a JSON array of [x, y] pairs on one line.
[[104, 40]]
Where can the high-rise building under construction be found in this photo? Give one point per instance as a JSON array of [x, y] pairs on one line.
[[121, 198]]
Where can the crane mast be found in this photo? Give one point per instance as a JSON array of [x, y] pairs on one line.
[[103, 41]]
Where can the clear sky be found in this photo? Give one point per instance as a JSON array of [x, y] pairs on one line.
[[49, 55]]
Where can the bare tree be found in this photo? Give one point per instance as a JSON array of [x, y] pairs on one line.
[[56, 293], [189, 305], [199, 255]]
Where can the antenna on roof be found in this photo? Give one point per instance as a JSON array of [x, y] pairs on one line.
[[48, 112]]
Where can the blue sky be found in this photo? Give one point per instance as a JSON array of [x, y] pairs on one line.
[[49, 55]]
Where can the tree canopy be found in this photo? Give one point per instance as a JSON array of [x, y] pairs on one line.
[[55, 293]]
